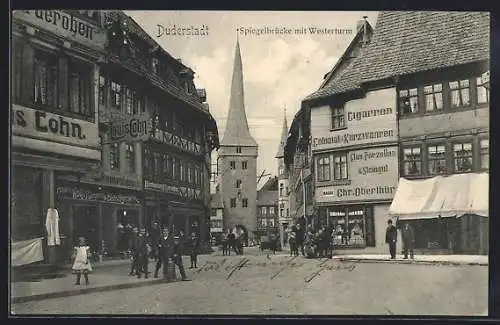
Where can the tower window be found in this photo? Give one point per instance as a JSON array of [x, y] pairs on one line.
[[238, 149], [244, 203], [233, 202], [238, 183], [232, 164], [244, 165]]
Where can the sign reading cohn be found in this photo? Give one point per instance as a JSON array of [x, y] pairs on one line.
[[135, 128]]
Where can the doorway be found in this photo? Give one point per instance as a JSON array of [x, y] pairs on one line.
[[86, 224]]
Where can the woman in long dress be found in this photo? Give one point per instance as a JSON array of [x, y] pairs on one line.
[[82, 265]]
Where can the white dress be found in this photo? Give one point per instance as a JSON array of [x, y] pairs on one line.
[[82, 262]]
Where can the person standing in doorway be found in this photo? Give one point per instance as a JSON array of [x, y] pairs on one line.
[[408, 240], [391, 235]]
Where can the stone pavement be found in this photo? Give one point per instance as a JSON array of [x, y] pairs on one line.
[[113, 275]]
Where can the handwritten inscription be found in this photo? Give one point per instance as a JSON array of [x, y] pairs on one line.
[[292, 263]]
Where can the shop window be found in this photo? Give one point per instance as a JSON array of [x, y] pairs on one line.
[[433, 95], [349, 227], [130, 156], [271, 210], [338, 117], [459, 93], [323, 169], [80, 88], [238, 183], [484, 152], [244, 203], [436, 159], [232, 164], [412, 161], [114, 156], [263, 211], [340, 167], [46, 79], [103, 84], [462, 157], [408, 101], [244, 165], [483, 94], [116, 95], [233, 202], [238, 149]]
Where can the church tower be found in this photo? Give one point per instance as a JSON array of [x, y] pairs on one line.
[[283, 184], [238, 159]]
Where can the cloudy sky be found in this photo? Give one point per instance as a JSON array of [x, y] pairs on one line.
[[279, 70]]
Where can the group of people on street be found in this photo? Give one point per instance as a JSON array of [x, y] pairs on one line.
[[164, 245], [407, 235], [232, 243], [310, 243]]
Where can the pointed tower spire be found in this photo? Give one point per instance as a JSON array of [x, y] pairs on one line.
[[284, 135], [237, 132]]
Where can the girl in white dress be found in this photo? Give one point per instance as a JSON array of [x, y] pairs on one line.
[[82, 265]]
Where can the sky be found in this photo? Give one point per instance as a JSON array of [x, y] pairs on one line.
[[280, 67]]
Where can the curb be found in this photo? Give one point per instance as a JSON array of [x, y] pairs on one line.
[[359, 260], [69, 293]]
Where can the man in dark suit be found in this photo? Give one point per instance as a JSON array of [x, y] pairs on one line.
[[142, 253], [391, 235], [154, 237], [408, 240], [177, 257], [131, 245], [165, 251]]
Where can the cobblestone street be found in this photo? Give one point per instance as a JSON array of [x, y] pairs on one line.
[[262, 284]]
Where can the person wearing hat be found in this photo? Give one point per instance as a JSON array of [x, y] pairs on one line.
[[177, 257], [154, 236], [141, 254], [81, 264], [132, 254], [165, 251]]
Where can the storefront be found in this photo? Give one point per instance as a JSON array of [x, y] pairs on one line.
[[98, 213], [448, 214]]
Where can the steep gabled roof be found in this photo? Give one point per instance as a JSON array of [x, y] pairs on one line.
[[344, 75], [414, 41], [237, 132]]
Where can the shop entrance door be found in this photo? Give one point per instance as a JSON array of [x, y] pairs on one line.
[[86, 224]]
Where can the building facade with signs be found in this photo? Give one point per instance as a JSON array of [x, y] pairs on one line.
[[128, 119], [443, 107], [354, 139], [54, 114], [237, 160], [268, 208]]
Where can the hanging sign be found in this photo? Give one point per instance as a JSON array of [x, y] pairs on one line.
[[130, 129]]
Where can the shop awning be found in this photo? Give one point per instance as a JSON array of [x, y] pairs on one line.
[[447, 196]]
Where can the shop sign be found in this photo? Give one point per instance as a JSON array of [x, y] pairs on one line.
[[130, 129], [39, 124], [84, 195], [178, 142], [65, 25], [372, 175], [367, 120], [184, 192]]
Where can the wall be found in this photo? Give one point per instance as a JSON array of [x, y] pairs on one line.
[[441, 123]]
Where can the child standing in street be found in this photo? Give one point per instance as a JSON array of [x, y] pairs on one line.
[[82, 265]]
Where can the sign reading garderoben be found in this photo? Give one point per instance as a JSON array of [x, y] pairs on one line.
[[39, 124], [184, 192], [134, 128], [66, 25], [373, 175], [367, 120]]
